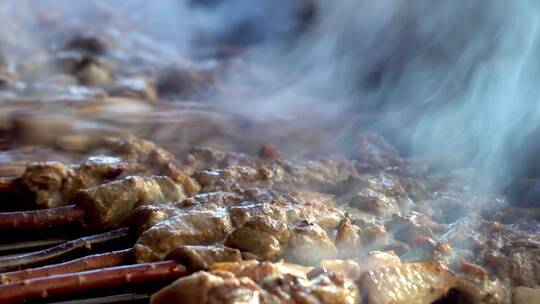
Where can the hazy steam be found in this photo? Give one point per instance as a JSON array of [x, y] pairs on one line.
[[454, 80]]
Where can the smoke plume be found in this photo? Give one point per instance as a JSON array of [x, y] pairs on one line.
[[453, 81]]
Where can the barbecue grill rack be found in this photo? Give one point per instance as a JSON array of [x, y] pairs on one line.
[[68, 265]]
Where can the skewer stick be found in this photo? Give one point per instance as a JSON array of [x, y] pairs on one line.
[[46, 255], [96, 261], [76, 282], [39, 219]]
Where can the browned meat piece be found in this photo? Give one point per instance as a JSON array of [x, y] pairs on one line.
[[375, 236], [240, 207], [285, 220], [421, 283], [146, 216], [152, 159], [190, 228], [261, 236], [232, 290], [353, 269], [46, 180], [525, 295], [109, 205], [406, 227], [325, 288], [375, 202], [427, 249], [55, 184], [519, 262], [480, 289], [197, 257], [348, 240], [203, 158], [326, 175], [511, 252], [253, 282], [258, 271], [308, 243], [203, 287], [192, 289], [267, 239]]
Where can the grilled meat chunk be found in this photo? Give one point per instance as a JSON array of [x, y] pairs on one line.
[[260, 236], [511, 252], [55, 184], [191, 289], [254, 282], [258, 271], [198, 257], [109, 205], [308, 244], [407, 283], [480, 289], [326, 175], [525, 295], [266, 222], [46, 180], [191, 228]]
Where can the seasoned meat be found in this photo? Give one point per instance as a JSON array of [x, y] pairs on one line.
[[480, 289], [524, 295], [109, 205], [325, 288], [348, 240], [192, 289], [511, 252], [191, 228], [265, 222], [46, 180], [420, 283], [354, 268], [254, 282], [55, 184], [308, 244], [261, 236], [204, 158], [198, 257], [326, 175], [258, 271], [519, 262]]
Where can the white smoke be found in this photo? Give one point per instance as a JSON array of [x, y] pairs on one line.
[[453, 80]]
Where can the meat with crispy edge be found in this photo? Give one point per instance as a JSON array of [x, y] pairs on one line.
[[109, 205], [254, 282], [420, 283], [304, 226], [54, 183], [327, 175]]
